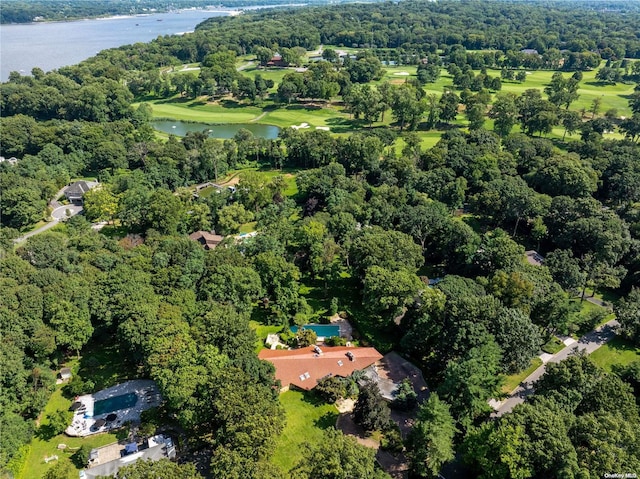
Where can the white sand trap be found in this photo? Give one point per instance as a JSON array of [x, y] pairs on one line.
[[325, 128], [402, 74], [301, 126]]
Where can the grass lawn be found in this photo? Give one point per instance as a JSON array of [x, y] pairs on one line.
[[262, 331], [288, 175], [200, 111], [333, 116], [104, 365], [248, 227], [553, 346], [369, 329], [114, 231], [512, 381], [581, 316], [326, 116], [607, 296], [41, 447], [275, 74], [618, 351], [307, 416]]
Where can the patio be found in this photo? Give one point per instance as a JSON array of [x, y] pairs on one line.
[[124, 403]]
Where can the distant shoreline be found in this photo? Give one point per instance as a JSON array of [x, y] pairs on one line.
[[232, 12]]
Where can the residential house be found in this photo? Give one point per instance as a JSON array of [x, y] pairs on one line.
[[76, 191], [207, 239], [304, 367], [105, 461], [390, 371], [277, 61], [534, 258]]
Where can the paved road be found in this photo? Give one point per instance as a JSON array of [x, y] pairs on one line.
[[58, 214], [588, 343]]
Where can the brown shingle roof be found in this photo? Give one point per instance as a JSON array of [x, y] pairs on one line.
[[303, 367], [534, 258], [208, 240]]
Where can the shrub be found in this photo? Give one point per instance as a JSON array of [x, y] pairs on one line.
[[287, 336], [57, 423], [371, 411], [306, 337], [77, 387], [392, 439], [333, 307], [406, 398], [81, 458], [332, 388], [335, 341], [592, 318]]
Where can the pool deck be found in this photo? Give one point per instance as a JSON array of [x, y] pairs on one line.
[[83, 423]]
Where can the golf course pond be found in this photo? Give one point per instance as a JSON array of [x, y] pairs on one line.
[[228, 130]]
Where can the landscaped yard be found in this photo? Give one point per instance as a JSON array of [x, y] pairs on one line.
[[262, 331], [307, 416], [618, 351], [511, 382], [41, 447], [553, 346], [102, 364]]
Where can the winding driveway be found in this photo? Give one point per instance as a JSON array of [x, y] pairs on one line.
[[588, 343], [60, 212]]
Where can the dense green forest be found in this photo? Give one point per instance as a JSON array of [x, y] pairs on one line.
[[355, 222]]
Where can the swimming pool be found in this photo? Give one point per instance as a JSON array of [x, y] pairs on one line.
[[323, 330], [115, 403]]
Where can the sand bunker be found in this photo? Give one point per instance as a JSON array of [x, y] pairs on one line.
[[325, 128], [301, 126], [403, 74]]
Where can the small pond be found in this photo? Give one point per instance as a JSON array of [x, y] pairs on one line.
[[228, 130]]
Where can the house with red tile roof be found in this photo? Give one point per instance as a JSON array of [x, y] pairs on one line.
[[304, 367]]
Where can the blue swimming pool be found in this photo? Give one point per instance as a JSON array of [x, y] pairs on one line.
[[324, 330], [115, 403]]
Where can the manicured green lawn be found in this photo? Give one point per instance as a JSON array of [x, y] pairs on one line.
[[247, 227], [618, 351], [307, 416], [288, 175], [511, 382], [200, 111], [275, 74], [105, 366], [41, 448], [553, 346], [262, 331], [333, 115], [608, 296], [314, 116]]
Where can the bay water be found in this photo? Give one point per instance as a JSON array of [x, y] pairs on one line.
[[51, 45]]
